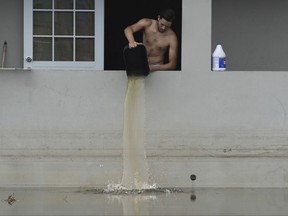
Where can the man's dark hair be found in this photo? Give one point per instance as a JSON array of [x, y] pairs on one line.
[[167, 14]]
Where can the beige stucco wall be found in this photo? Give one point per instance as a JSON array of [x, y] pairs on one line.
[[64, 128]]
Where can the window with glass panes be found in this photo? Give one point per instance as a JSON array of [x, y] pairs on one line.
[[64, 32]]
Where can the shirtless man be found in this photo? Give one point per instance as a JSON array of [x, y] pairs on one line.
[[158, 38]]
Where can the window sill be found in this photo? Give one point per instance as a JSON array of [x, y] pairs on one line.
[[15, 69]]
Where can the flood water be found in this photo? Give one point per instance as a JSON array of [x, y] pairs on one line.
[[165, 201]]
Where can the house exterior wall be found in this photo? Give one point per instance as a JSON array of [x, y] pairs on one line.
[[11, 27], [255, 34], [64, 128]]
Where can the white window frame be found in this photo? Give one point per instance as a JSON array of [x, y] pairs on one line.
[[98, 64]]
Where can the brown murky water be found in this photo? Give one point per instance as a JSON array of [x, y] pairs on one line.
[[165, 201]]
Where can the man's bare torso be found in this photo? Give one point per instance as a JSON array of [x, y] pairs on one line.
[[156, 43]]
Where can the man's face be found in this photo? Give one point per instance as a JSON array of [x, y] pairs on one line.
[[163, 25]]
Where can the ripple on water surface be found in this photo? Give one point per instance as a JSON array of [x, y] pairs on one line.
[[150, 189]]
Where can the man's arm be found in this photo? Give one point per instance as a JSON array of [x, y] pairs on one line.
[[171, 65], [130, 30]]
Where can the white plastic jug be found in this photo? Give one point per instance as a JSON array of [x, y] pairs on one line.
[[219, 59]]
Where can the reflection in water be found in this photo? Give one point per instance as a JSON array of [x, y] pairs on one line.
[[138, 202], [134, 204], [160, 201]]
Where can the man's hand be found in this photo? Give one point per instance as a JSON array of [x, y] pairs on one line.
[[133, 44], [154, 67]]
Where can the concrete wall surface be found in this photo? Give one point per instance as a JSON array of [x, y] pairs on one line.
[[253, 33], [11, 27], [64, 128]]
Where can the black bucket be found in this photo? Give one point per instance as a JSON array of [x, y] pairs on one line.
[[136, 61]]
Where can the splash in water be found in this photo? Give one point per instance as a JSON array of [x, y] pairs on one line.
[[119, 189]]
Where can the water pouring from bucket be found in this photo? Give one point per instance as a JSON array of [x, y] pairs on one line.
[[135, 165]]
